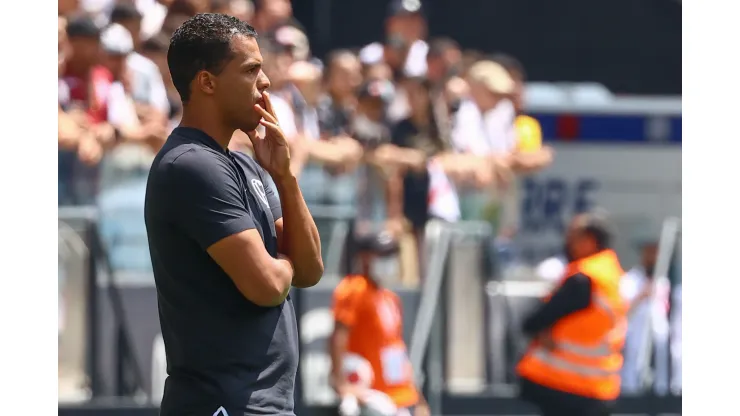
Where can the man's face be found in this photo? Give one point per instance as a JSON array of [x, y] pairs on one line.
[[436, 68], [578, 244], [85, 51], [240, 84], [345, 76], [482, 97]]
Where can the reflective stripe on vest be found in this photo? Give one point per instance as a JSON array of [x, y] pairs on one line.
[[601, 350], [554, 361]]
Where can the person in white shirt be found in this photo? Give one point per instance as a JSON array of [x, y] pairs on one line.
[[649, 297], [147, 85]]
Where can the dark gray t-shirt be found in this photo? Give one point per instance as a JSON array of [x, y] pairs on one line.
[[222, 350]]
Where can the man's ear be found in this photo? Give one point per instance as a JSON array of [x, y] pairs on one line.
[[206, 82]]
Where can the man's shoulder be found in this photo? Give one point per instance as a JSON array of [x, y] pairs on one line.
[[248, 162], [181, 151]]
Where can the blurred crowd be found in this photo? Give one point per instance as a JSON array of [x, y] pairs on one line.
[[395, 132]]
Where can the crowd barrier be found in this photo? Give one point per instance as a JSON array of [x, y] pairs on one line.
[[458, 326]]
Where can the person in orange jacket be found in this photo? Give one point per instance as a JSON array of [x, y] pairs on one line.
[[572, 364], [368, 324]]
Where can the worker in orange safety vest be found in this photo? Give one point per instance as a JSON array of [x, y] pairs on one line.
[[572, 365]]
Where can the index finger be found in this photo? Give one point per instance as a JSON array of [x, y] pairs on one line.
[[268, 104]]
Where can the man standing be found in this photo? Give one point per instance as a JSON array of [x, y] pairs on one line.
[[572, 364], [227, 246]]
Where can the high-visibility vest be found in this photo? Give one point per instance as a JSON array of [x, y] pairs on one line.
[[585, 356]]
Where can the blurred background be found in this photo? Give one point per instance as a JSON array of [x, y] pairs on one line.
[[472, 130]]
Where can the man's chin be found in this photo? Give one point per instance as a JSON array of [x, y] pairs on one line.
[[249, 127]]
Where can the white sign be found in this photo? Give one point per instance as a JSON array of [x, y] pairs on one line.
[[639, 185]]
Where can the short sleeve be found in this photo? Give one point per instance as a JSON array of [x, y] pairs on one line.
[[207, 196], [345, 303], [273, 198]]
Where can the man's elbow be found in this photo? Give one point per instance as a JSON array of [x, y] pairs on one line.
[[272, 292], [310, 274]]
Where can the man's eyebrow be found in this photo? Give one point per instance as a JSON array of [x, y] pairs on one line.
[[251, 64]]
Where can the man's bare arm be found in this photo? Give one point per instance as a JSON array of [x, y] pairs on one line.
[[298, 237], [260, 278]]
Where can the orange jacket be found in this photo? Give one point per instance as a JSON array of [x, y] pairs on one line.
[[585, 356], [374, 318]]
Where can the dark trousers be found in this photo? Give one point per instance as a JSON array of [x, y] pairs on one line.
[[557, 403]]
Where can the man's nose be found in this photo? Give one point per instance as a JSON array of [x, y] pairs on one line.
[[263, 82]]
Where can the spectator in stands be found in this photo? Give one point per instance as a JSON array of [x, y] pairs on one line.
[[86, 79], [649, 298], [444, 60], [379, 71], [153, 14], [83, 89], [420, 139], [270, 14], [189, 7], [277, 59], [532, 155], [338, 153], [241, 9], [147, 85], [370, 128], [78, 139], [121, 108], [342, 79], [155, 49], [67, 7]]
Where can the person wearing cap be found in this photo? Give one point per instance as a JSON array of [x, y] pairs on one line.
[[83, 69], [147, 85], [368, 323], [117, 46], [573, 361], [405, 47]]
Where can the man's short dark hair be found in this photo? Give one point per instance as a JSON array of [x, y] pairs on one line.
[[124, 11], [596, 224], [202, 43], [510, 63]]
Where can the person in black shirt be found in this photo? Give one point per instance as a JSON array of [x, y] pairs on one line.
[[228, 236]]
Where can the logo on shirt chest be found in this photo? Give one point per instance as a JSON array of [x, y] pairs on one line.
[[259, 189]]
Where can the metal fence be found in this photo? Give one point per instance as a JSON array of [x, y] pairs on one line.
[[460, 324]]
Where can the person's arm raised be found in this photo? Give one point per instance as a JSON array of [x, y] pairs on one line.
[[298, 237], [209, 208]]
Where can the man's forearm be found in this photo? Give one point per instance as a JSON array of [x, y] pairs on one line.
[[301, 241]]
